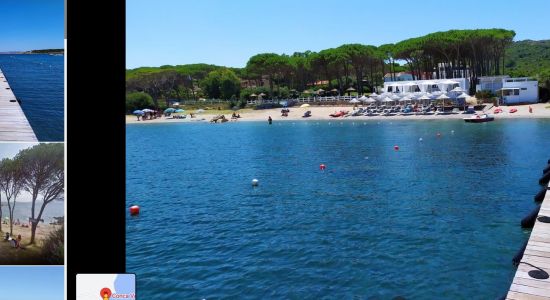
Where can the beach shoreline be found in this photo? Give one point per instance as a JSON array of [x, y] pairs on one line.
[[321, 113]]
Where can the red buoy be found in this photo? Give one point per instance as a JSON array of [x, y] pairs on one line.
[[134, 210], [396, 147], [322, 166]]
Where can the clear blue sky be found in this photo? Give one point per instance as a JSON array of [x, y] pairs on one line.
[[31, 282], [31, 25], [9, 150], [229, 32]]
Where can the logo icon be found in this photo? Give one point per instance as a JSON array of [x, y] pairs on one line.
[[105, 293]]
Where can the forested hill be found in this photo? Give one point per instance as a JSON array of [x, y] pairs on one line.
[[193, 70], [528, 58], [523, 58], [46, 51]]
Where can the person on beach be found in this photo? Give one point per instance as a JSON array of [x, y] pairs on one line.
[[18, 242], [530, 109], [269, 120]]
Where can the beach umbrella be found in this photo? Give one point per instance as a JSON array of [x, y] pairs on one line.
[[179, 110], [354, 100], [235, 108], [463, 96], [387, 99], [374, 94], [304, 105], [363, 97], [457, 89], [261, 94], [306, 92], [334, 90], [395, 97], [146, 110], [169, 110], [370, 100], [253, 95], [319, 91], [138, 112], [350, 89], [443, 97]]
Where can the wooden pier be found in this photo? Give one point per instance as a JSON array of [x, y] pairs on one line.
[[536, 254], [14, 125]]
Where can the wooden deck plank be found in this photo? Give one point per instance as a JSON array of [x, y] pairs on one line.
[[523, 296], [536, 253], [14, 125]]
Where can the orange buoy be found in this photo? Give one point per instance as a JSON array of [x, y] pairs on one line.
[[134, 210], [322, 166], [395, 147]]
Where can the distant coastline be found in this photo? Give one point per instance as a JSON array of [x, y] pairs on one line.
[[42, 51]]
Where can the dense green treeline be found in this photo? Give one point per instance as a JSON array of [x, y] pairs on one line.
[[47, 51], [449, 54], [529, 58]]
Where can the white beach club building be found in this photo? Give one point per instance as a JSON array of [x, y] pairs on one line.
[[427, 86], [519, 90], [432, 90], [511, 90]]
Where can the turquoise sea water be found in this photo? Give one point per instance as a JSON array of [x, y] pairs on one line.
[[38, 80], [437, 219]]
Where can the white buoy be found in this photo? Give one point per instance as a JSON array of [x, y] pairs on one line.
[[420, 139], [452, 131], [255, 182]]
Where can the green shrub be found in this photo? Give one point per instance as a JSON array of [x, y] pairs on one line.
[[53, 248]]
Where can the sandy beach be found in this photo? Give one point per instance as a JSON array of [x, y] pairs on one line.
[[323, 112], [31, 254]]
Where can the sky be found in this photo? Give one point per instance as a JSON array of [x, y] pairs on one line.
[[31, 282], [172, 32], [31, 25]]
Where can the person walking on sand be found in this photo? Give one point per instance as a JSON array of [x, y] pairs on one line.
[[269, 120], [530, 109]]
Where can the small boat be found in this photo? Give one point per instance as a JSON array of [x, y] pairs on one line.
[[479, 119]]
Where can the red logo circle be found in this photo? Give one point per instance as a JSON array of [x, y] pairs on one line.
[[105, 291]]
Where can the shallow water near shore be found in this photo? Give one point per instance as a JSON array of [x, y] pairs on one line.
[[437, 218]]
